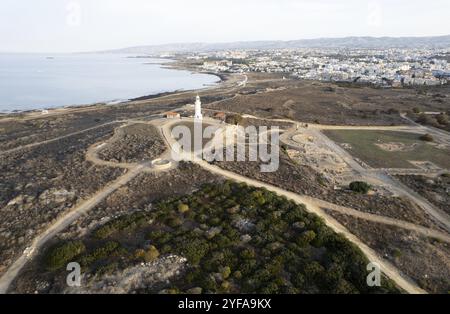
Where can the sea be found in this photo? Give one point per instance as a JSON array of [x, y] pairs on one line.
[[38, 82]]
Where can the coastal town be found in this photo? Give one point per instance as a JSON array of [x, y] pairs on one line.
[[381, 67]]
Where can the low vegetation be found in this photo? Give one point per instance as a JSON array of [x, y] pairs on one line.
[[427, 138], [236, 239], [234, 119], [60, 255], [360, 187], [124, 223]]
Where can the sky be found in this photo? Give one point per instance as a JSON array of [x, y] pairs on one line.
[[92, 25]]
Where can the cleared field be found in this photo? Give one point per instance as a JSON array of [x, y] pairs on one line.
[[390, 149]]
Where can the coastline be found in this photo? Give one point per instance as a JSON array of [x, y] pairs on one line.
[[174, 65]]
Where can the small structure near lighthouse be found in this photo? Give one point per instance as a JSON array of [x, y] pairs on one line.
[[198, 109]]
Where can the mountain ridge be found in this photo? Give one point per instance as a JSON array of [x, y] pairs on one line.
[[326, 42]]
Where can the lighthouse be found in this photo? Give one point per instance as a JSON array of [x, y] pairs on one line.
[[198, 109]]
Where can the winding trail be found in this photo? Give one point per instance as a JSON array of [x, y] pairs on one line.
[[62, 223], [133, 170], [374, 176], [387, 268], [431, 233], [313, 205], [55, 139]]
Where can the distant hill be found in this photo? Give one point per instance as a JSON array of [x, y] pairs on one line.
[[346, 42]]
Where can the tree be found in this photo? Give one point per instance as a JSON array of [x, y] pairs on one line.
[[225, 271], [183, 208], [442, 119], [63, 254], [248, 254], [151, 254], [427, 138], [235, 119], [360, 187], [306, 238], [424, 119], [237, 275], [174, 222]]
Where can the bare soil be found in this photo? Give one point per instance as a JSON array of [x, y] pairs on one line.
[[424, 260]]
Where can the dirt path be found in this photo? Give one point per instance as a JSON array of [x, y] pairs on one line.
[[92, 153], [391, 271], [442, 135], [381, 219], [62, 223], [313, 205], [56, 138], [376, 176], [72, 215]]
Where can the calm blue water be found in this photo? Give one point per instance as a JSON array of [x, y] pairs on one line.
[[37, 82]]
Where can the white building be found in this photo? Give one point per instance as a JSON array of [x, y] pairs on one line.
[[198, 109]]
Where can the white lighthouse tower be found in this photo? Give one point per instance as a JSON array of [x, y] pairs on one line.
[[198, 109]]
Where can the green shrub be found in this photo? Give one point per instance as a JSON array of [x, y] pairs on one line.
[[99, 253], [63, 254], [248, 254], [424, 119], [237, 275], [174, 222], [306, 238], [360, 187], [127, 222], [151, 254], [442, 119], [427, 138], [234, 119], [226, 272], [183, 208], [194, 250]]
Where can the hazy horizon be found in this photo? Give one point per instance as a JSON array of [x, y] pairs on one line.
[[55, 26]]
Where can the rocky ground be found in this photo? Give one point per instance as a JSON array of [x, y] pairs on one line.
[[39, 184], [134, 278], [139, 194], [423, 259], [304, 180], [393, 207], [327, 103], [435, 190], [134, 143], [142, 192]]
